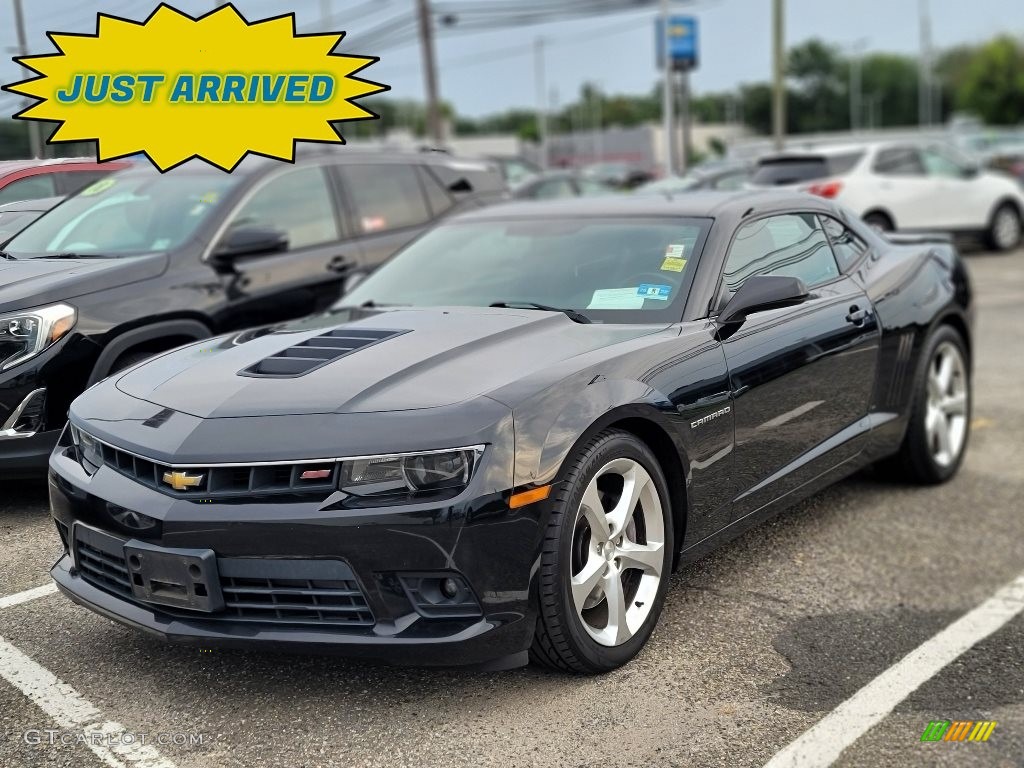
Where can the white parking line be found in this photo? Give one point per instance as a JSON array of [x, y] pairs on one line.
[[111, 742], [29, 594], [823, 743]]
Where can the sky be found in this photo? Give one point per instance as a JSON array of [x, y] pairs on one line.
[[482, 73]]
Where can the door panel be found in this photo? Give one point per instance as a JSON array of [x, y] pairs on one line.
[[801, 375], [307, 277], [899, 184]]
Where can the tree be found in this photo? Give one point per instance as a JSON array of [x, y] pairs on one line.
[[993, 83]]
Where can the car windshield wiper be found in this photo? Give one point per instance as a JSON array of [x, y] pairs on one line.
[[73, 256], [6, 255], [572, 314]]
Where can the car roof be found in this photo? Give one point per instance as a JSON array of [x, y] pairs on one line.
[[709, 204], [258, 164], [39, 204], [12, 166]]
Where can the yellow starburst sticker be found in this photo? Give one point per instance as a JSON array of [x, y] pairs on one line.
[[216, 87]]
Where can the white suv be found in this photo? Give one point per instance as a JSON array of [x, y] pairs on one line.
[[905, 185]]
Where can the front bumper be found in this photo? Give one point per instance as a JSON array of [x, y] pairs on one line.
[[475, 537]]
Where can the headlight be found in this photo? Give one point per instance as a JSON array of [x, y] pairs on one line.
[[90, 450], [427, 472], [24, 335]]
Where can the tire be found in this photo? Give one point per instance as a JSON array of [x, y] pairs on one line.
[[921, 459], [569, 638], [879, 221], [1005, 228]]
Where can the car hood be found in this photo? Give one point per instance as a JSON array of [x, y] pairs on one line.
[[28, 283], [437, 357]]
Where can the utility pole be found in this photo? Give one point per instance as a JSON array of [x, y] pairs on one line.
[[542, 113], [434, 128], [667, 102], [778, 74], [35, 136], [924, 82], [325, 14], [856, 89], [684, 117]]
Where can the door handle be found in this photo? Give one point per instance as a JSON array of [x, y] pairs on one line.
[[339, 264], [857, 315]]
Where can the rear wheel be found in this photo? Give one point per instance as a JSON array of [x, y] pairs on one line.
[[1004, 231], [879, 221], [606, 558], [940, 416]]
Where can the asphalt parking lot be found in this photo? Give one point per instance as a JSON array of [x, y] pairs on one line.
[[757, 643]]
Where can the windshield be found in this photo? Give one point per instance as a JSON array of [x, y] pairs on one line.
[[671, 184], [12, 222], [630, 270], [125, 214]]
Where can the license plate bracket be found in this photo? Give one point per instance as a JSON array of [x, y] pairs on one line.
[[180, 578]]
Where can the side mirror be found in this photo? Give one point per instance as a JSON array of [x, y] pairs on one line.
[[249, 241], [970, 171], [759, 293]]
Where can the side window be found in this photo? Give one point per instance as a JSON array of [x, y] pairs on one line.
[[299, 203], [440, 201], [790, 245], [28, 188], [71, 182], [385, 197], [938, 163], [553, 189], [731, 181], [899, 161], [847, 247]]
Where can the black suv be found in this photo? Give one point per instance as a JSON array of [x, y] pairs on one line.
[[139, 262]]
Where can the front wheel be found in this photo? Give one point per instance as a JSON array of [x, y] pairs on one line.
[[606, 559]]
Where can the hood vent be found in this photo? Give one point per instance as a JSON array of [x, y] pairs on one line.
[[317, 352]]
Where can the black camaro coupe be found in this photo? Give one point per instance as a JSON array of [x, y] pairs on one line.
[[500, 444]]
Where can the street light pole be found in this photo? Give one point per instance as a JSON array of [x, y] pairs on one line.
[[35, 138], [434, 128], [667, 101], [924, 86], [542, 115], [778, 74]]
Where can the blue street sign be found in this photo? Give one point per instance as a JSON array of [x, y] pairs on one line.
[[682, 41]]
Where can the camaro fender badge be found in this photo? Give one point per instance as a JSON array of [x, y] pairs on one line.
[[710, 416], [179, 481]]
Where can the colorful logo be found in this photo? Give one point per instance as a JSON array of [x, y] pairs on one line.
[[958, 730], [215, 87]]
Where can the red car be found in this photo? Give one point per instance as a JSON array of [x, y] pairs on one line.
[[33, 179]]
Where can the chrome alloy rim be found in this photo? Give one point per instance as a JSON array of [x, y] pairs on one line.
[[946, 416], [618, 552], [1007, 228]]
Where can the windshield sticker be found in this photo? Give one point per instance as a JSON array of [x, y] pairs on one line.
[[616, 298], [675, 251], [672, 264], [374, 223], [100, 186], [210, 198], [657, 292]]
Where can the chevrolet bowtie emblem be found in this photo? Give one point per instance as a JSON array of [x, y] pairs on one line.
[[179, 481]]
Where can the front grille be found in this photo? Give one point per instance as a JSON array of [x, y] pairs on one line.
[[259, 590], [226, 480], [104, 568], [293, 592], [307, 356]]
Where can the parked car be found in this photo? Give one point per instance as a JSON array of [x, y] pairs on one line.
[[501, 443], [907, 186], [14, 217], [514, 169], [35, 179], [724, 177], [618, 175], [141, 262], [559, 184]]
